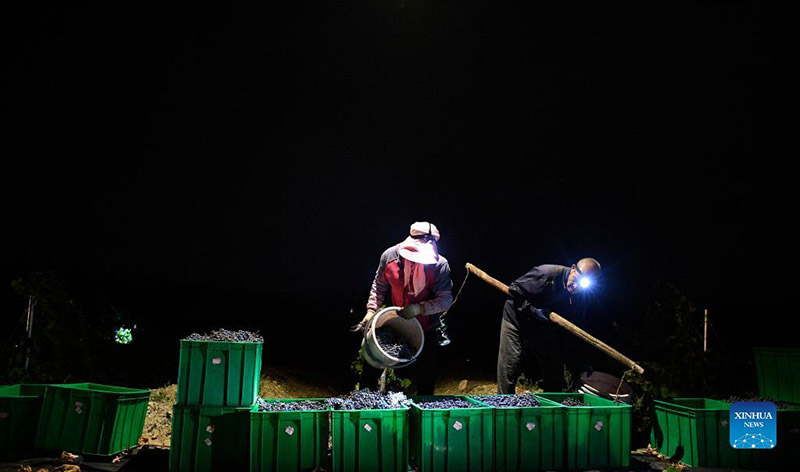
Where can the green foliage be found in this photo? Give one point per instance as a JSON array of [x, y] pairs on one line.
[[67, 343], [123, 336], [529, 384], [393, 382], [668, 343], [357, 366]]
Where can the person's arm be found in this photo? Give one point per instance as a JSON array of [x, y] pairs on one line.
[[380, 286], [442, 291]]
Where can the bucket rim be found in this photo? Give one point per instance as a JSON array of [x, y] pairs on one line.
[[374, 321]]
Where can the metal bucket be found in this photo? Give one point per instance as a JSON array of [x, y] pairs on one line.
[[410, 330]]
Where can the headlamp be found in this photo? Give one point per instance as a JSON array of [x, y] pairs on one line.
[[584, 281]]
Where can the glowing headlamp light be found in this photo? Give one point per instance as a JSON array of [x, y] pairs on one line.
[[585, 282]]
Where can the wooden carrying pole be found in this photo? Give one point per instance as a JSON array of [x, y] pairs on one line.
[[557, 319]]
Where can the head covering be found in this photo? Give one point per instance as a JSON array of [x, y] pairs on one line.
[[423, 228], [420, 245], [414, 277]]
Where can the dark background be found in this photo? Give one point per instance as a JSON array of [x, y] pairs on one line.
[[194, 168]]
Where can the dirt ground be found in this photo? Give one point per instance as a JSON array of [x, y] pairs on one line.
[[273, 384]]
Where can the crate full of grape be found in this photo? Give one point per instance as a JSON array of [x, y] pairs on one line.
[[221, 368], [597, 432], [369, 431], [528, 432], [451, 433]]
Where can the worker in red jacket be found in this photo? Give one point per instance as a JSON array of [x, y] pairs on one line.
[[414, 276]]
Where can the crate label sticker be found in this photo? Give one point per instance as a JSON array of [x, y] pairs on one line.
[[79, 404], [531, 426], [289, 430], [753, 425], [598, 426], [368, 428], [216, 360], [210, 428], [3, 415], [458, 426], [79, 410], [207, 441], [724, 423]]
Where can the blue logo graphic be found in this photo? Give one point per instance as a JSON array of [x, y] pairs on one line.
[[753, 425]]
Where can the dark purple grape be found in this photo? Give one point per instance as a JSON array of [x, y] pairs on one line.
[[445, 403], [305, 405], [393, 344], [525, 400], [570, 401], [367, 399], [225, 335]]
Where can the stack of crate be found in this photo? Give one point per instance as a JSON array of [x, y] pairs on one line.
[[215, 379], [82, 418]]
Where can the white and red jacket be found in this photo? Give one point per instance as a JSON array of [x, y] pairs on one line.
[[388, 288]]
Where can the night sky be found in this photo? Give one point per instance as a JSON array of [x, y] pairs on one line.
[[207, 167]]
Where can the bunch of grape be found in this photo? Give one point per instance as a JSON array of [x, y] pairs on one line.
[[778, 404], [226, 335], [369, 400], [446, 403], [393, 344], [525, 400], [305, 405], [570, 401]]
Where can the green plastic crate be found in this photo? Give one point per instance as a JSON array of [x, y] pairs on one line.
[[696, 431], [87, 418], [203, 441], [595, 436], [20, 406], [778, 372], [528, 439], [370, 440], [216, 373], [282, 441], [451, 440]]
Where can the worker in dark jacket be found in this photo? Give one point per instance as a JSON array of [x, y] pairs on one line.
[[414, 276], [526, 327]]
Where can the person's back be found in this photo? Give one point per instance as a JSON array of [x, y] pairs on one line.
[[526, 327]]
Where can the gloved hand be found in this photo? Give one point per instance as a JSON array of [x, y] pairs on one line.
[[411, 311], [362, 325]]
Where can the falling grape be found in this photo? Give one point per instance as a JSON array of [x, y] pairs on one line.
[[367, 399], [394, 345]]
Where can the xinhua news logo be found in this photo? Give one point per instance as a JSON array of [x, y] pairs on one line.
[[753, 425]]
